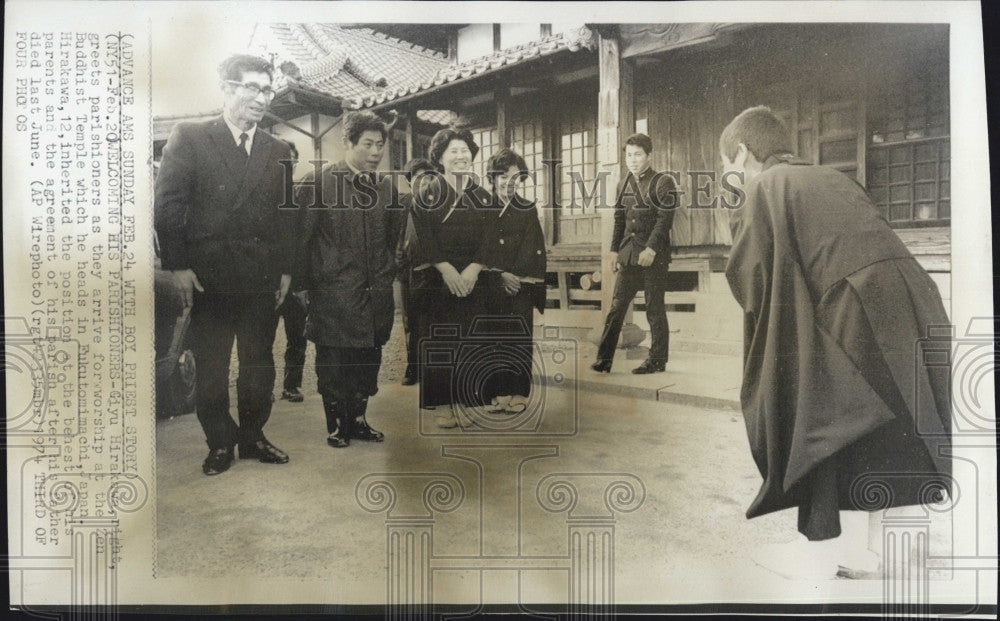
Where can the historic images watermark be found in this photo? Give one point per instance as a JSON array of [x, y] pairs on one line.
[[710, 190], [918, 545], [477, 460]]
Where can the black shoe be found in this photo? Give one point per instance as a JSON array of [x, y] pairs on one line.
[[263, 451], [361, 430], [338, 439], [292, 395], [336, 422], [602, 366], [218, 461], [359, 427], [649, 366]]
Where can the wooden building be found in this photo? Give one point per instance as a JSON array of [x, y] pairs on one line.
[[869, 99]]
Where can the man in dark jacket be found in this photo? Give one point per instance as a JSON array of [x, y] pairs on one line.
[[841, 412], [644, 213], [225, 240], [347, 264]]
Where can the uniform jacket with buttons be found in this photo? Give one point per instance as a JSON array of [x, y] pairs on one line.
[[644, 213], [346, 257], [216, 211]]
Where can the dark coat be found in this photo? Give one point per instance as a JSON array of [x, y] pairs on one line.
[[217, 213], [346, 258], [834, 306], [644, 213], [519, 248]]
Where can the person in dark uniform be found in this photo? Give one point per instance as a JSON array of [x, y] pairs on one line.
[[453, 247], [840, 406], [293, 315], [222, 234], [346, 262], [644, 213], [517, 281], [417, 174]]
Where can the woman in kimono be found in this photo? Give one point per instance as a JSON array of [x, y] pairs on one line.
[[517, 284], [452, 248]]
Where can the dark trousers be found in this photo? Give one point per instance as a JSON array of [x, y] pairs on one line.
[[344, 372], [652, 280], [216, 320], [294, 315]]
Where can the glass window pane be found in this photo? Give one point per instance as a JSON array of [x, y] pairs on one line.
[[925, 211], [925, 191], [899, 193], [899, 212], [925, 171], [926, 152], [900, 155], [899, 174]]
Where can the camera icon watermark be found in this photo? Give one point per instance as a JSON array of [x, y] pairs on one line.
[[500, 357]]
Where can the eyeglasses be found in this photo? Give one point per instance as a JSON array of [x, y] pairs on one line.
[[255, 89]]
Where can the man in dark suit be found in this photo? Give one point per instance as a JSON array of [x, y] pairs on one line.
[[644, 213], [229, 247]]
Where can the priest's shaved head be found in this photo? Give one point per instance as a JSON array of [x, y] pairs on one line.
[[753, 136]]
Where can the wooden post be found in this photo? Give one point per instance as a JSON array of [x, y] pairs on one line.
[[317, 145], [615, 122], [504, 128], [408, 128]]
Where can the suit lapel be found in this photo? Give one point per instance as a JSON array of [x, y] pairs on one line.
[[223, 140]]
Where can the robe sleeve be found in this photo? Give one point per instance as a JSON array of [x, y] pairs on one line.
[[480, 202], [530, 259], [425, 223]]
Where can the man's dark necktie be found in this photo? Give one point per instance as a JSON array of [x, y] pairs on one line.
[[243, 146]]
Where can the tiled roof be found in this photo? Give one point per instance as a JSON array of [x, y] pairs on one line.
[[575, 40], [349, 62]]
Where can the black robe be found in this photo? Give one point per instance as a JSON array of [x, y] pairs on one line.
[[517, 247], [837, 312], [451, 228]]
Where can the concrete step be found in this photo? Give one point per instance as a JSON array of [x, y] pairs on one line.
[[691, 378]]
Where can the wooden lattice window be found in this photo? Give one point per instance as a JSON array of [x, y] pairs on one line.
[[527, 140], [488, 139], [577, 150], [909, 154]]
